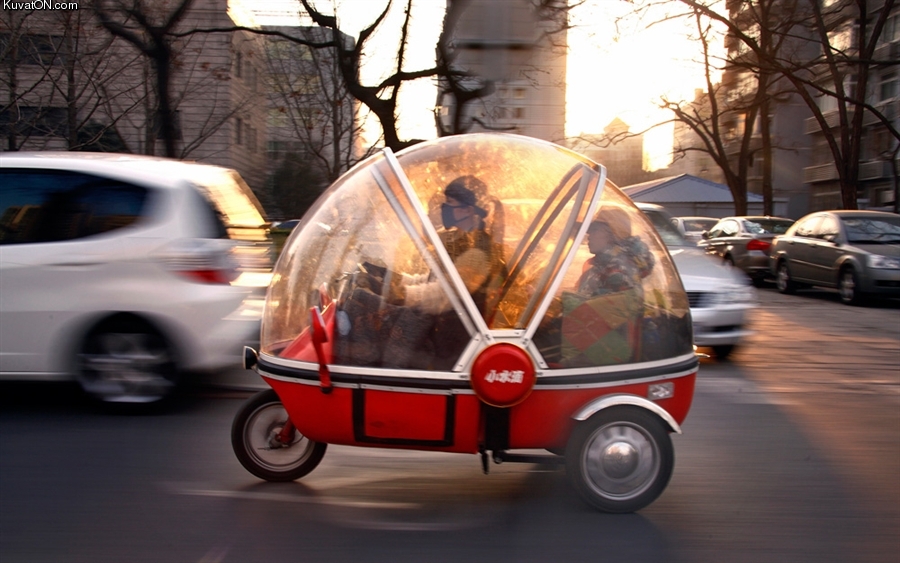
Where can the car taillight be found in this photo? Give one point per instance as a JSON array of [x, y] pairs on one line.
[[201, 260], [759, 245], [209, 276]]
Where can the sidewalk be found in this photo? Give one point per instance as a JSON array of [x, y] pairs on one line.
[[812, 339], [837, 370]]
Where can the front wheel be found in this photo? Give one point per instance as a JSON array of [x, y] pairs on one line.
[[620, 459], [125, 360], [848, 287], [256, 439]]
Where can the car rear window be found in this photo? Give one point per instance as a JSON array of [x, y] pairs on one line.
[[57, 205], [768, 226], [233, 211], [232, 198], [664, 228]]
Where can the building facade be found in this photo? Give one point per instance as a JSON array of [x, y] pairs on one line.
[[506, 43], [68, 84], [879, 162], [620, 151]]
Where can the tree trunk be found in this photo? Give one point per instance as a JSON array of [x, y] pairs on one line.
[[162, 60]]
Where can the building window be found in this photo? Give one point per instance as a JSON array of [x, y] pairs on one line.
[[35, 49], [891, 31], [278, 117], [841, 39], [889, 88], [238, 64], [31, 121], [251, 138], [250, 75], [238, 130]]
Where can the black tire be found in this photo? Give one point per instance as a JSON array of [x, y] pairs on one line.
[[254, 437], [848, 287], [783, 280], [722, 351], [125, 360], [620, 459]]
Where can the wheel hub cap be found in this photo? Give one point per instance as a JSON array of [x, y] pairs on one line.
[[619, 460]]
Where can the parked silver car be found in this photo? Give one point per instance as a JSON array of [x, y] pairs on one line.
[[720, 297], [744, 241], [858, 252]]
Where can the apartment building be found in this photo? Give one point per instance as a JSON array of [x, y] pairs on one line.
[[879, 162], [620, 151], [803, 169], [67, 84], [507, 43], [785, 111]]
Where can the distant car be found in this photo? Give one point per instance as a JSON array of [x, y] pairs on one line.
[[720, 297], [285, 225], [125, 272], [744, 241], [857, 252], [280, 231], [692, 228]]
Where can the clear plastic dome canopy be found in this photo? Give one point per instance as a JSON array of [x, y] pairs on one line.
[[420, 259]]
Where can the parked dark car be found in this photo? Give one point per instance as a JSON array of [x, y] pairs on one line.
[[744, 241], [858, 252]]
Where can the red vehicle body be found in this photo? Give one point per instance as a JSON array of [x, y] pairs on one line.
[[384, 328]]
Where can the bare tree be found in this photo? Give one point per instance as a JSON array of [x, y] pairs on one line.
[[839, 71], [149, 29], [310, 110], [382, 98], [707, 117], [59, 77]]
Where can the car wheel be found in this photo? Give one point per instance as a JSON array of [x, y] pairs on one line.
[[620, 459], [127, 361], [723, 351], [848, 287], [258, 445], [783, 280]]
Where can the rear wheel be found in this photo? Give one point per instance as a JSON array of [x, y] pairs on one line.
[[848, 287], [125, 360], [783, 279], [256, 436], [620, 459]]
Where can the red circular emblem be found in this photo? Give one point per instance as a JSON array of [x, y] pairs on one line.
[[503, 375]]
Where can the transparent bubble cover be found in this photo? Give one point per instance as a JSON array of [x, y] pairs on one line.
[[405, 276]]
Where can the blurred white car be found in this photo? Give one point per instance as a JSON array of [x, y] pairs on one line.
[[125, 272], [720, 297]]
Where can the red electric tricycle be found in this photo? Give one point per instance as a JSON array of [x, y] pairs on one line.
[[393, 322]]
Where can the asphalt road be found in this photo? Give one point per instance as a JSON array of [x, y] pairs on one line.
[[791, 453]]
